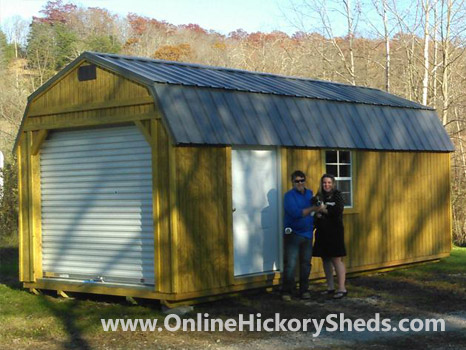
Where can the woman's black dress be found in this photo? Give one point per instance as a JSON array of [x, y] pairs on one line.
[[329, 235]]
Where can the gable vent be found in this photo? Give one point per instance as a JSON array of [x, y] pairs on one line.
[[87, 73]]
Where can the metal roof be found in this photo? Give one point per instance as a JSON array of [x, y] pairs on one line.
[[203, 105], [176, 73], [214, 116]]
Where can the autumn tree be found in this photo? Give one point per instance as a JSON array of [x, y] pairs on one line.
[[180, 52], [97, 30], [51, 40], [146, 35]]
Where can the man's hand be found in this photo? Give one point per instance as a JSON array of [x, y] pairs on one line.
[[313, 209], [323, 209]]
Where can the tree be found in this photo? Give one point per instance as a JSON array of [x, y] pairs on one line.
[[65, 40], [426, 6], [102, 43], [9, 200], [180, 52], [56, 12], [16, 32], [96, 30], [383, 13], [320, 15], [39, 52], [147, 35], [51, 40]]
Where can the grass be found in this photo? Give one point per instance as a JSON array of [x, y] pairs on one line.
[[49, 322]]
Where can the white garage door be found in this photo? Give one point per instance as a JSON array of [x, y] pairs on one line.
[[96, 188], [256, 235]]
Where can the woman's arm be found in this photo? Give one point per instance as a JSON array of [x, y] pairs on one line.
[[338, 204]]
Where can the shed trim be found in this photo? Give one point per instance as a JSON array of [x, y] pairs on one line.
[[92, 106]]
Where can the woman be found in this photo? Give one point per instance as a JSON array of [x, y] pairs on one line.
[[329, 242]]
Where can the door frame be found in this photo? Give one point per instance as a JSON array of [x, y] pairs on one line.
[[278, 152]]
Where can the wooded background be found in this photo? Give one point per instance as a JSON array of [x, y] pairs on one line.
[[414, 49]]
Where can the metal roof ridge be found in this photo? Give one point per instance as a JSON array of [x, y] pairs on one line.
[[235, 70], [242, 71]]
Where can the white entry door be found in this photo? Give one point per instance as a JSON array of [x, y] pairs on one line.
[[255, 211]]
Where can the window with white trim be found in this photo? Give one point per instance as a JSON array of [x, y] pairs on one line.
[[339, 164]]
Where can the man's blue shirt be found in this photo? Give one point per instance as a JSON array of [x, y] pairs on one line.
[[294, 204]]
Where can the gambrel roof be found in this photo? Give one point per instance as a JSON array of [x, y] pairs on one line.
[[203, 105]]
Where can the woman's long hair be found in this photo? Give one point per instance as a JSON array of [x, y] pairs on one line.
[[321, 193]]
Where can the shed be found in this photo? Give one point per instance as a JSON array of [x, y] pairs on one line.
[[164, 180]]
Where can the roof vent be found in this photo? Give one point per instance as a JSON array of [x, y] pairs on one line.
[[87, 73]]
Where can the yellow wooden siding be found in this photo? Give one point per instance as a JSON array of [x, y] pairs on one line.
[[30, 256], [161, 179], [401, 205], [308, 161], [90, 118], [69, 92], [25, 266], [229, 216], [202, 243], [106, 100], [35, 207]]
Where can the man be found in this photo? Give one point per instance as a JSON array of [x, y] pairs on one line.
[[298, 243]]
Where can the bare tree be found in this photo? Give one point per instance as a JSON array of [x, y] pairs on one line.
[[318, 16], [16, 30], [408, 23], [387, 45], [425, 82], [436, 49], [347, 12], [445, 36], [382, 11]]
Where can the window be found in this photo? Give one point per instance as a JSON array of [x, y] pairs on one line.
[[338, 163]]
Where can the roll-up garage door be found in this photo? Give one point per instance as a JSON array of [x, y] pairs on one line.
[[96, 188]]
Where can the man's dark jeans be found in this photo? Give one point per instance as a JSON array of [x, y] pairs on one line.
[[297, 247]]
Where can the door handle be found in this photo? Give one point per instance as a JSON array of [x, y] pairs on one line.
[[234, 209]]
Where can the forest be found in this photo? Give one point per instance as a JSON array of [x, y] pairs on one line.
[[413, 49]]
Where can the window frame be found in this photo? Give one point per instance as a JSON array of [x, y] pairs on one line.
[[342, 178]]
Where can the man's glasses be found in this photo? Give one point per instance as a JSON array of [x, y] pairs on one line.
[[299, 181]]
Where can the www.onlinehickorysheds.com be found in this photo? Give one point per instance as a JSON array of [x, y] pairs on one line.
[[255, 323]]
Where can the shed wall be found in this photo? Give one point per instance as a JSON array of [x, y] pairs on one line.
[[108, 89], [202, 238], [109, 99], [401, 208], [401, 212], [162, 199]]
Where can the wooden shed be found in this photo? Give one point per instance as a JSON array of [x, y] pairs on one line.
[[165, 180]]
